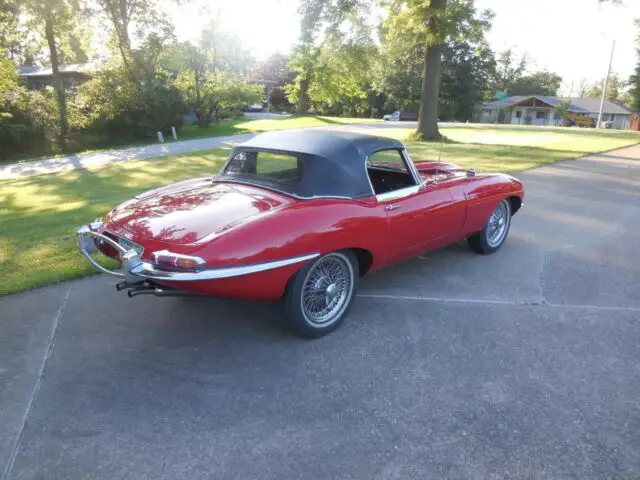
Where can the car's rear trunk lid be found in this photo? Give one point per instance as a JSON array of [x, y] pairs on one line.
[[188, 212]]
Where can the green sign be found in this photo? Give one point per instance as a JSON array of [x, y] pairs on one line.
[[501, 95]]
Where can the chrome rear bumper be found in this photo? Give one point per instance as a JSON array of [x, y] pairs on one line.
[[85, 237], [135, 269]]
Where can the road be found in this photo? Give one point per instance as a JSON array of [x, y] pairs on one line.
[[522, 364]]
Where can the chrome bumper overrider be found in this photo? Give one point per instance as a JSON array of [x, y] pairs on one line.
[[135, 269]]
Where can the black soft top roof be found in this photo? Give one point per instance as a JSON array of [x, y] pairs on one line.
[[334, 161]]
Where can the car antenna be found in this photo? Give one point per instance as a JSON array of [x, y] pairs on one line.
[[439, 156]]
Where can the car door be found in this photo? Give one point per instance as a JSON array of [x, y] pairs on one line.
[[418, 214]]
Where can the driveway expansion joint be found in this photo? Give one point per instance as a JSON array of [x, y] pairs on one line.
[[531, 303], [36, 389]]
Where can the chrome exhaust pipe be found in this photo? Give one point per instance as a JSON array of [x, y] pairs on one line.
[[159, 292], [141, 290], [122, 285]]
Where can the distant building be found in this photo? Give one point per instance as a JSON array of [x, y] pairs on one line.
[[539, 110], [37, 78]]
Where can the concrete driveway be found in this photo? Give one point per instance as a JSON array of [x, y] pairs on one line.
[[520, 365]]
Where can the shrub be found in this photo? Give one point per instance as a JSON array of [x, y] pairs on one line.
[[117, 105], [27, 119]]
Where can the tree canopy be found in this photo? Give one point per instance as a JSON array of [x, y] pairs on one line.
[[536, 83]]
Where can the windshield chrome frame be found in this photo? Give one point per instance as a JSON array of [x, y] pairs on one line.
[[401, 192]]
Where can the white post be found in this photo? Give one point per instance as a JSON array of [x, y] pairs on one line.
[[606, 84], [160, 137], [173, 132]]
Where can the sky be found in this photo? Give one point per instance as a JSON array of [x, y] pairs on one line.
[[572, 38]]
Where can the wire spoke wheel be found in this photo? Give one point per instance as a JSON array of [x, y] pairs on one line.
[[498, 225], [327, 290]]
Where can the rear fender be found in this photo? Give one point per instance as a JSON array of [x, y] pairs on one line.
[[307, 226]]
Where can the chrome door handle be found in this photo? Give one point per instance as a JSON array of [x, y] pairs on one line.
[[388, 208]]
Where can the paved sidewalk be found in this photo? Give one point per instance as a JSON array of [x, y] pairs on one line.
[[58, 164]]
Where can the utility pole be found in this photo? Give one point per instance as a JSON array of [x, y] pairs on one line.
[[606, 84]]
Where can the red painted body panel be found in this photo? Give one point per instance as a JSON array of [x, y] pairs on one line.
[[229, 224], [193, 211]]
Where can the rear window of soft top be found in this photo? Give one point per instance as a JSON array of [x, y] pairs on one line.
[[274, 167]]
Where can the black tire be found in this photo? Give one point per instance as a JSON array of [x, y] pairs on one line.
[[484, 241], [311, 284]]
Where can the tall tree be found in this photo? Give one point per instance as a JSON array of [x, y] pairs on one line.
[[275, 68], [466, 71], [398, 73], [213, 74], [11, 39], [341, 73], [153, 30], [431, 72], [509, 70], [319, 18], [615, 88], [225, 51], [433, 22], [55, 16]]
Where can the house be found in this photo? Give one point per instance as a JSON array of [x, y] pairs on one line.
[[539, 110], [37, 78]]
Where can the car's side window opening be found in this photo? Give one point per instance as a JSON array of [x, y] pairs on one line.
[[278, 167], [388, 171]]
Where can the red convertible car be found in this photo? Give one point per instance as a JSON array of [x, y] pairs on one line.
[[299, 216]]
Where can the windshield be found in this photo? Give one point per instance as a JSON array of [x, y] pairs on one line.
[[266, 166]]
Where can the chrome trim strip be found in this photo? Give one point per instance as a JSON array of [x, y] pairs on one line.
[[403, 192], [398, 194], [147, 270], [282, 192], [167, 253], [412, 166]]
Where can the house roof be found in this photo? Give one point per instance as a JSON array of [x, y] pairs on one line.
[[578, 105], [553, 102], [32, 72], [505, 102], [592, 105]]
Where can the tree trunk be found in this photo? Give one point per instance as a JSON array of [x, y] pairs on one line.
[[428, 117], [303, 98], [431, 73], [117, 11], [203, 121], [57, 83]]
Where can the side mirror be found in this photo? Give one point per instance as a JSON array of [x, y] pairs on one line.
[[471, 172]]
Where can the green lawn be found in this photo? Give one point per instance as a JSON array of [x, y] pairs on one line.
[[243, 125], [39, 215]]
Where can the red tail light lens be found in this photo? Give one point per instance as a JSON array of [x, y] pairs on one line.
[[172, 260]]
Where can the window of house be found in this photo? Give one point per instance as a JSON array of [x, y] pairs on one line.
[[541, 115], [518, 114]]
